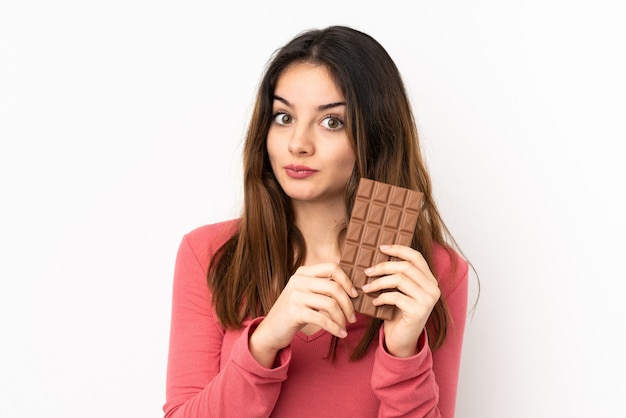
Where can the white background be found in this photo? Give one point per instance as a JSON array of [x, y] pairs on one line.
[[121, 125]]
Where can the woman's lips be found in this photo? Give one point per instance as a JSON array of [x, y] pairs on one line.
[[299, 171]]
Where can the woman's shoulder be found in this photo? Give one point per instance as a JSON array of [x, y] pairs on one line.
[[449, 267], [215, 230], [207, 239]]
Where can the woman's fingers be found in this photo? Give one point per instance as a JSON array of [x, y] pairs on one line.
[[411, 264], [325, 313], [318, 295], [408, 254], [334, 298], [405, 300], [337, 285], [330, 271], [402, 277], [403, 282], [408, 284]]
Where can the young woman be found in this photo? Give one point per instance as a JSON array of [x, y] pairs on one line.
[[263, 322]]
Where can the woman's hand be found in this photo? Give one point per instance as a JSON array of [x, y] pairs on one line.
[[409, 285], [318, 295]]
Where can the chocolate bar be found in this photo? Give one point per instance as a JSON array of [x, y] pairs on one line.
[[382, 214]]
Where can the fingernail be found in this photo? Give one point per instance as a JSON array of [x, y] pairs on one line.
[[352, 318], [385, 247], [343, 333], [353, 292], [368, 270], [365, 287]]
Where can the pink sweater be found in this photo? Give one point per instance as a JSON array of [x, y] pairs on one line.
[[211, 372]]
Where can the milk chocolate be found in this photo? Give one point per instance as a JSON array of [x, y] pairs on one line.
[[382, 214]]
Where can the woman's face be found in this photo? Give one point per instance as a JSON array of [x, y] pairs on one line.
[[307, 144]]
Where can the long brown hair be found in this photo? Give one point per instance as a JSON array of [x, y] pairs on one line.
[[250, 270]]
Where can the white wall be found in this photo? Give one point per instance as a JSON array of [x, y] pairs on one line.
[[121, 124]]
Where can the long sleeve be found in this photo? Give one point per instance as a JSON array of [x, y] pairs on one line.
[[425, 385], [198, 385]]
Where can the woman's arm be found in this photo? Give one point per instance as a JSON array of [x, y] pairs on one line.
[[425, 384], [196, 384]]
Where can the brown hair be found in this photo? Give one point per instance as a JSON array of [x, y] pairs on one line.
[[251, 269]]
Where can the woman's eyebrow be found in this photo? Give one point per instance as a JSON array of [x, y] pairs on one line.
[[331, 105], [280, 99], [320, 107]]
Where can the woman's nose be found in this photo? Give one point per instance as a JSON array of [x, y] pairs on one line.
[[301, 142]]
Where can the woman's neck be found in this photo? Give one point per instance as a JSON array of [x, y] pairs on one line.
[[320, 226]]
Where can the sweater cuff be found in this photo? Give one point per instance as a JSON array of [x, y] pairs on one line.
[[246, 361]]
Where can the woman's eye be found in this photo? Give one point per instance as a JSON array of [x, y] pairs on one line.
[[283, 118], [332, 123]]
